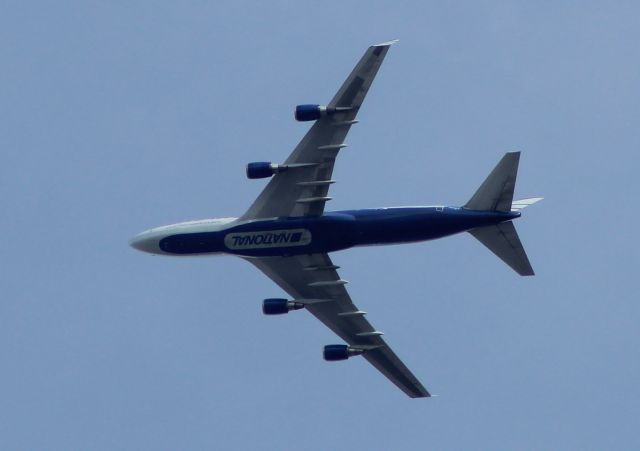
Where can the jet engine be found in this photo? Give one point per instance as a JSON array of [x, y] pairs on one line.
[[333, 353], [314, 112], [278, 306], [306, 113], [261, 169]]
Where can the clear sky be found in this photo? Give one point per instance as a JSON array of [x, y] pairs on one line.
[[118, 116]]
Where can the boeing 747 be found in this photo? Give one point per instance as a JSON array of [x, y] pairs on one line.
[[287, 234]]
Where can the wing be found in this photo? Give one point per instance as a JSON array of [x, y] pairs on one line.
[[302, 189], [314, 281]]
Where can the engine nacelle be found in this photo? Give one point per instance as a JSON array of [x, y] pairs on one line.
[[276, 306], [314, 112], [334, 353], [261, 169]]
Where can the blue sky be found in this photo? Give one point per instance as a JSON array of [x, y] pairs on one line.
[[119, 116]]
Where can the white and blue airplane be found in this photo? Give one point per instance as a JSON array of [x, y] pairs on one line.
[[288, 236]]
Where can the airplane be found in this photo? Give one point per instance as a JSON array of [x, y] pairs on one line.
[[287, 234]]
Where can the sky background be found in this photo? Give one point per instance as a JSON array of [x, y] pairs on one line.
[[119, 116]]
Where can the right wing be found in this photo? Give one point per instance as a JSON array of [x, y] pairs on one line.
[[313, 280], [302, 190]]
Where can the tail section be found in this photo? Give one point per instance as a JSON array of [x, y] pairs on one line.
[[496, 194], [502, 239], [518, 205]]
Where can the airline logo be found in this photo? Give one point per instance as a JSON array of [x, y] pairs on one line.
[[267, 239]]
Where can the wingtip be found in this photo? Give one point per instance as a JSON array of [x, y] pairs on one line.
[[386, 44], [424, 394]]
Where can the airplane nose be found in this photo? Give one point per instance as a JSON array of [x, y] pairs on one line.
[[144, 242]]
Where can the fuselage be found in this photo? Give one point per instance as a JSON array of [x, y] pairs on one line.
[[330, 232]]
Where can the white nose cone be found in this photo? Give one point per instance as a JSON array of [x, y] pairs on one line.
[[145, 242]]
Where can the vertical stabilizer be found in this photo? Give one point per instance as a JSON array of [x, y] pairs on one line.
[[496, 192]]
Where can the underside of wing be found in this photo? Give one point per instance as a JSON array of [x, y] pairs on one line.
[[313, 281], [301, 184]]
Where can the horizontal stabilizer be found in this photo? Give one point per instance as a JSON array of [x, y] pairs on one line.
[[502, 239], [518, 205]]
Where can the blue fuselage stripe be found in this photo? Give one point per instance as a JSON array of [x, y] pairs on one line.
[[333, 231]]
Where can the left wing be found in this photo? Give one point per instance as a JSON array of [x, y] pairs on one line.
[[302, 189], [313, 281]]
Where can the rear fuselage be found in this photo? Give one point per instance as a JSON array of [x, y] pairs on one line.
[[330, 232]]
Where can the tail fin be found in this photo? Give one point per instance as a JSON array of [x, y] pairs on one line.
[[502, 239], [496, 192]]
